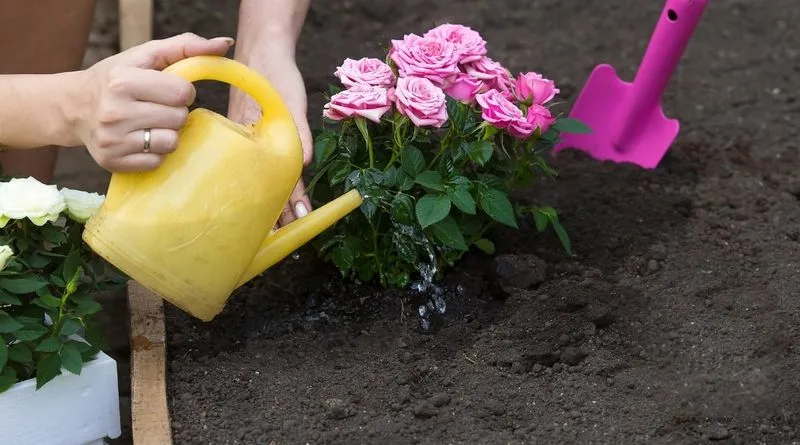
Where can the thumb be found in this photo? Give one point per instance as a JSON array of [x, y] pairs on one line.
[[159, 54]]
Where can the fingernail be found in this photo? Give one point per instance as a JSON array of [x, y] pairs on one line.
[[229, 40], [300, 210]]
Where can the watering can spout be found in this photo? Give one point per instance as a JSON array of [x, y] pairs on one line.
[[282, 242]]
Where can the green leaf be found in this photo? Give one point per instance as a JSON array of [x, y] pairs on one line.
[[88, 308], [430, 179], [30, 332], [324, 146], [22, 285], [540, 219], [343, 256], [402, 209], [53, 234], [407, 183], [8, 324], [562, 235], [480, 152], [490, 181], [448, 232], [19, 353], [485, 245], [570, 125], [47, 369], [456, 113], [50, 301], [70, 327], [72, 264], [340, 168], [369, 206], [8, 298], [432, 209], [6, 382], [413, 161], [3, 352], [71, 358], [80, 345], [461, 197], [49, 344], [95, 337], [496, 204]]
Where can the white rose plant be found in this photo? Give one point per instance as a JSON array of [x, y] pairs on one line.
[[48, 277]]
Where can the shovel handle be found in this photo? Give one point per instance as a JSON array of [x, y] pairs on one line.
[[674, 28]]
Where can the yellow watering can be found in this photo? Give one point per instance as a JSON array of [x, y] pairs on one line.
[[200, 225]]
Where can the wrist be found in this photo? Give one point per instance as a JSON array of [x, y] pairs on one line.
[[71, 98], [269, 28], [267, 45]]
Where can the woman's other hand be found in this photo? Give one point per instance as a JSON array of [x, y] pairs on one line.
[[127, 94]]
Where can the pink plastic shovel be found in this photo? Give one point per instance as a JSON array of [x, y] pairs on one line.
[[626, 119]]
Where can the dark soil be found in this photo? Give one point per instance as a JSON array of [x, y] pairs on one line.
[[675, 322]]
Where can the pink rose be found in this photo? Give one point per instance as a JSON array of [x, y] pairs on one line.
[[540, 116], [433, 59], [467, 41], [498, 110], [465, 88], [366, 71], [421, 101], [532, 88], [358, 101], [490, 72]]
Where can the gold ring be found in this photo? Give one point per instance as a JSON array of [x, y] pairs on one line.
[[146, 148]]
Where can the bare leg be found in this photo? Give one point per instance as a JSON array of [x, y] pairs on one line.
[[41, 37]]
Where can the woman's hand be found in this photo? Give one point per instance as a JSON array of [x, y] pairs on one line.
[[281, 71], [127, 94]]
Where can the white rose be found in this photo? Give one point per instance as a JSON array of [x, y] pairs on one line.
[[5, 255], [28, 198], [81, 205]]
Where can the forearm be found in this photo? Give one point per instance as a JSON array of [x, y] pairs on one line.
[[34, 110], [269, 27]]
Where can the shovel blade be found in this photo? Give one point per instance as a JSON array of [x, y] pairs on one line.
[[602, 106]]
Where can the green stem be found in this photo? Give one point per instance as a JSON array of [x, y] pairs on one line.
[[442, 147], [316, 178]]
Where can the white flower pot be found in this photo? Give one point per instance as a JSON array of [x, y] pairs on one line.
[[68, 410]]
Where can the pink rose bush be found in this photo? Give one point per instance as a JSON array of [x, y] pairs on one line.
[[435, 136]]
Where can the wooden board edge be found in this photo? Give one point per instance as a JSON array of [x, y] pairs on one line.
[[150, 419], [135, 22]]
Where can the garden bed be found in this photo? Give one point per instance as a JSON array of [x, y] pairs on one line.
[[675, 322]]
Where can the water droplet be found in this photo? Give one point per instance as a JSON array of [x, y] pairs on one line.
[[424, 324], [441, 305], [296, 256]]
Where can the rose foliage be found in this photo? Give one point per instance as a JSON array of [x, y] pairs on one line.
[[437, 138], [48, 277]]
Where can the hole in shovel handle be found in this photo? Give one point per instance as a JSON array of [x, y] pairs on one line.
[[672, 15]]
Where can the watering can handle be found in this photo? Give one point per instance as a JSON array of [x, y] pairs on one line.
[[223, 69]]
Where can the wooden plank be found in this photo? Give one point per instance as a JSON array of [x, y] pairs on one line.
[[135, 22], [150, 420]]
